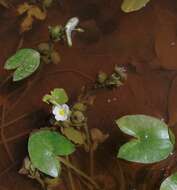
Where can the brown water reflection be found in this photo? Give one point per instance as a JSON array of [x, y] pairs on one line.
[[145, 41]]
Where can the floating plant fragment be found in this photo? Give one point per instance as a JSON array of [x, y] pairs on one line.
[[70, 27], [32, 12], [170, 183], [133, 5], [116, 79], [56, 32], [59, 32], [153, 139], [25, 61]]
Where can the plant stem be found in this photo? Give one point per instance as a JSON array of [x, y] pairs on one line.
[[4, 140], [21, 135], [87, 135], [91, 152], [70, 176], [16, 119], [91, 162], [81, 173]]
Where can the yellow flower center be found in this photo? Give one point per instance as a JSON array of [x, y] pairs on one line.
[[62, 112]]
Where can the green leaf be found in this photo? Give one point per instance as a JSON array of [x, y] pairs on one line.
[[47, 98], [152, 141], [170, 183], [25, 61], [44, 146], [58, 96], [74, 135], [133, 5]]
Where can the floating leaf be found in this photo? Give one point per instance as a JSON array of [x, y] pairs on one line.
[[32, 12], [74, 135], [44, 146], [152, 141], [133, 5], [58, 96], [25, 61], [170, 183]]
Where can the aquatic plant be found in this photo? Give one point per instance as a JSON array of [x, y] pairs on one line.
[[51, 146], [68, 130], [26, 61], [153, 142], [133, 5], [170, 183]]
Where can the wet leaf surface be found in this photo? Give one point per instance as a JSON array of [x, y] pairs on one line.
[[44, 147], [133, 5], [25, 61], [170, 183], [152, 141]]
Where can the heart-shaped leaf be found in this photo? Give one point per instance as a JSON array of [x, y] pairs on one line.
[[133, 5], [170, 183], [25, 61], [152, 141], [44, 146]]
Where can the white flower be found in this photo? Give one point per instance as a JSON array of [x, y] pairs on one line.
[[61, 112]]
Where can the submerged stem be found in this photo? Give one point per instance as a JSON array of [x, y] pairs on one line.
[[78, 171], [70, 176]]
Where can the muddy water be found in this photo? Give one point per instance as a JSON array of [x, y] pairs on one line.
[[145, 42]]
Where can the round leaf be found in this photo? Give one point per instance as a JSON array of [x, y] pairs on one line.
[[59, 96], [44, 146], [152, 141], [25, 61], [170, 183], [133, 5]]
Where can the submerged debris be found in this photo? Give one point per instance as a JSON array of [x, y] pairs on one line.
[[61, 33], [70, 27], [116, 79]]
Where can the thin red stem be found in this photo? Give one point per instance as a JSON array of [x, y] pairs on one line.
[[10, 139], [4, 140]]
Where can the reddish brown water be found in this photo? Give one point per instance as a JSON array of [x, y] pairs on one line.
[[146, 41]]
